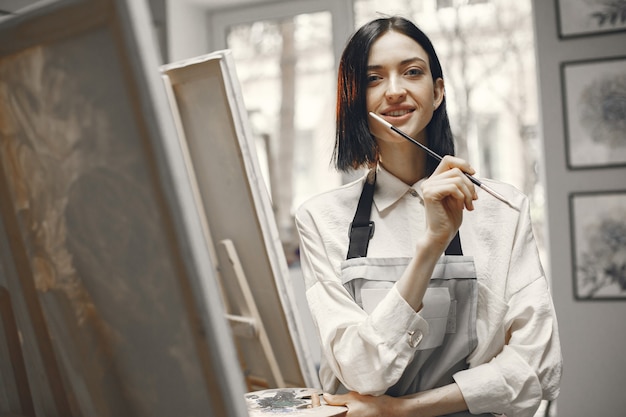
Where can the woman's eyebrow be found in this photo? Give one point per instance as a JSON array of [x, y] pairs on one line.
[[412, 60], [403, 62]]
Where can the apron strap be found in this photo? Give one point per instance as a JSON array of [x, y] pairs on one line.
[[362, 229], [454, 247]]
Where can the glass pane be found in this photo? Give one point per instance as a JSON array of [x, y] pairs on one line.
[[287, 72]]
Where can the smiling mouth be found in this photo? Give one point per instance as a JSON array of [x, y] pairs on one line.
[[397, 113]]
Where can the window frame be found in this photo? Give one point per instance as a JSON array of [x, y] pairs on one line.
[[341, 11]]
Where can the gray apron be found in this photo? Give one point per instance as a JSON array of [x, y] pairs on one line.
[[449, 303]]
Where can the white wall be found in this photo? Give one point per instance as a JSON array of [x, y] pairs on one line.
[[593, 333], [187, 33]]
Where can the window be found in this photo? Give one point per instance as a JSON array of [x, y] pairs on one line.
[[286, 59]]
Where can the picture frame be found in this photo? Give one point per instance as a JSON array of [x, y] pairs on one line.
[[577, 18], [594, 120], [103, 262], [598, 226]]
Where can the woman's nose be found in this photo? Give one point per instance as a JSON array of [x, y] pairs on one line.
[[395, 89]]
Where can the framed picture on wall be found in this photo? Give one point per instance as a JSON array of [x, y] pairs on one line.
[[598, 224], [594, 93], [590, 17]]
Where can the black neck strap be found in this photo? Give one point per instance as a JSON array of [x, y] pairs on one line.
[[362, 229]]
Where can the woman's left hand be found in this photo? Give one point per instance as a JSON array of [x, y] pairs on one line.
[[366, 405], [440, 401]]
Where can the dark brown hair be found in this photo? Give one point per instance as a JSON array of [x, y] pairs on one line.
[[354, 144]]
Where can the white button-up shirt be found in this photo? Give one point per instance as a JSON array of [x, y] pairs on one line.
[[518, 359]]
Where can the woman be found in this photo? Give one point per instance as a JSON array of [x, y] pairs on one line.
[[420, 287]]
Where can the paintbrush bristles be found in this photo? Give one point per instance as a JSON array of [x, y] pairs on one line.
[[380, 119]]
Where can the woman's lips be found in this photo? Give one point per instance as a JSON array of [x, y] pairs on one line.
[[396, 116]]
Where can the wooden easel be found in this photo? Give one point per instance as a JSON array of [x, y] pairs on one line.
[[244, 318]]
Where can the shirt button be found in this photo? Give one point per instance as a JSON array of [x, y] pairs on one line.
[[413, 192], [415, 337]]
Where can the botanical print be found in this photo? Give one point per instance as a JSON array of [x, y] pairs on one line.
[[603, 110], [581, 17], [599, 227], [595, 112]]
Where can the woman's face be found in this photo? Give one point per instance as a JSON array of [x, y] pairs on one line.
[[400, 87]]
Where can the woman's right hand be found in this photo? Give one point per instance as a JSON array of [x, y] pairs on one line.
[[447, 192]]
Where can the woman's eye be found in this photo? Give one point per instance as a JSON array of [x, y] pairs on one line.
[[372, 78], [414, 72]]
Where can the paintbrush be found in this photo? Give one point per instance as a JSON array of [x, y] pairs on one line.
[[438, 157]]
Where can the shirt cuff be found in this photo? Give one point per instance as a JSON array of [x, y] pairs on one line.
[[486, 390], [397, 323], [475, 382]]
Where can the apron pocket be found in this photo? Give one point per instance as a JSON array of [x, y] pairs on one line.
[[370, 297], [435, 311]]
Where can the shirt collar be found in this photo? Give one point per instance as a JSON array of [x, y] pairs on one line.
[[390, 189]]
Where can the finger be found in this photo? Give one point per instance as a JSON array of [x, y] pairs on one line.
[[452, 184], [334, 399], [448, 162], [452, 172], [468, 189], [438, 192]]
